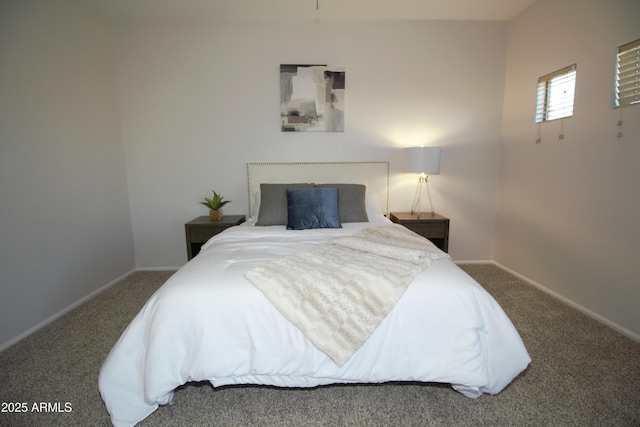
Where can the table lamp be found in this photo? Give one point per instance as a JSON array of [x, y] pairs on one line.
[[423, 161]]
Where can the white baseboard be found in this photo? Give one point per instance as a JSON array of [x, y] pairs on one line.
[[14, 340], [479, 261], [594, 315]]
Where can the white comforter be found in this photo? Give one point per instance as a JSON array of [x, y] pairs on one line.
[[208, 322]]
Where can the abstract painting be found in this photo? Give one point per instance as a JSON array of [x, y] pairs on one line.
[[311, 98]]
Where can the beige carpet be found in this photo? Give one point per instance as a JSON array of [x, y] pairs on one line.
[[582, 374]]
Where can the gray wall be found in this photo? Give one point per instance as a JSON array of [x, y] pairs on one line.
[[569, 209], [200, 100], [65, 224]]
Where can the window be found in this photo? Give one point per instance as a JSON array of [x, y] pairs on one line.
[[555, 94], [628, 74]]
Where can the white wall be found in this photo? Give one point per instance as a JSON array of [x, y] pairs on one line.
[[65, 224], [569, 209], [199, 101]]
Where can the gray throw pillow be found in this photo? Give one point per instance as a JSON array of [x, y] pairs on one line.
[[273, 203]]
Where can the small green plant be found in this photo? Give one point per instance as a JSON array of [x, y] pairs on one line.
[[216, 203]]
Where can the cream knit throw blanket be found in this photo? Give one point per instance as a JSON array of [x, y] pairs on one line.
[[337, 294]]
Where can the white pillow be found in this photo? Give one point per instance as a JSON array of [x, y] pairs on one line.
[[256, 206], [372, 204]]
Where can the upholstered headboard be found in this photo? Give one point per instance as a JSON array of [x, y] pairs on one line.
[[374, 175]]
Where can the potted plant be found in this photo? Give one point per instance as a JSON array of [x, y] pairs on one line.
[[215, 205]]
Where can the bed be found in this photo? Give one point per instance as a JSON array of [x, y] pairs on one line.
[[254, 307]]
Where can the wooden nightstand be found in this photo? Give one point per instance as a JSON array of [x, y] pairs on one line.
[[434, 228], [202, 229]]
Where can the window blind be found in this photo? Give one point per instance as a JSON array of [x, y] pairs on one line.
[[556, 92], [628, 74]]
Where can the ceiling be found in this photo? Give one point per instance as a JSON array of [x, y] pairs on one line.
[[199, 10]]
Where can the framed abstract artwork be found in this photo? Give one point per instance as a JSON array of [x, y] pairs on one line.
[[311, 98]]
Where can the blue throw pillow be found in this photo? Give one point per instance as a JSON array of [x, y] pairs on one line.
[[312, 208]]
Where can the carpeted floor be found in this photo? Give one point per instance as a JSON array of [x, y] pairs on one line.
[[582, 374]]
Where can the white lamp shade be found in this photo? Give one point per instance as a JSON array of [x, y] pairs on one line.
[[422, 160]]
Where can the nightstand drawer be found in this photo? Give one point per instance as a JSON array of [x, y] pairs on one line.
[[202, 235], [201, 229], [428, 230], [431, 226]]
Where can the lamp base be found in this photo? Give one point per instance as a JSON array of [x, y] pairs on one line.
[[419, 214], [415, 209]]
